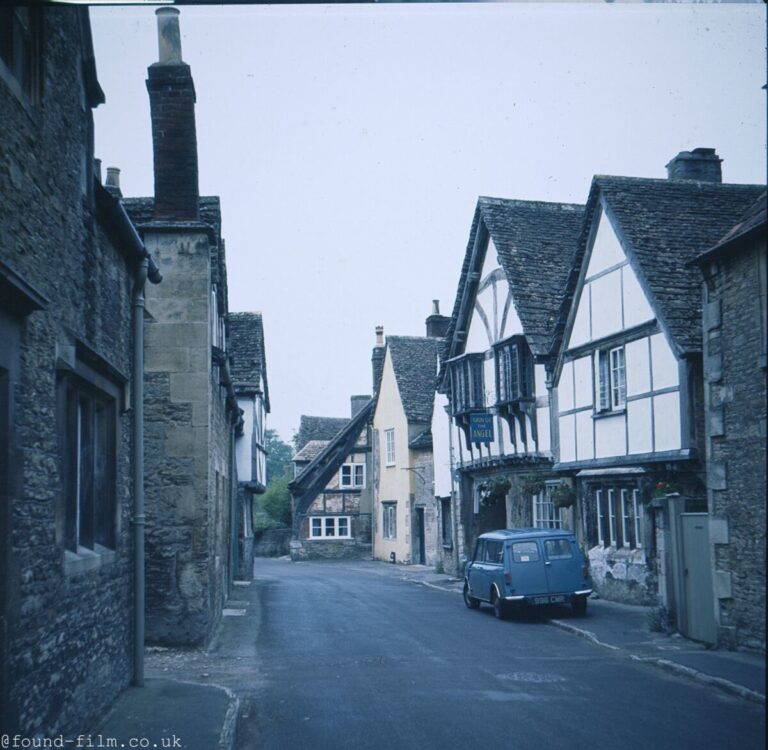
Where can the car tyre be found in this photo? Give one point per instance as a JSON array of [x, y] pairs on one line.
[[469, 600], [499, 606], [579, 605]]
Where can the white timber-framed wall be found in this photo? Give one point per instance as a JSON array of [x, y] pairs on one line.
[[622, 409]]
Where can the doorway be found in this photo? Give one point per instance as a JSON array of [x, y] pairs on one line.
[[422, 557]]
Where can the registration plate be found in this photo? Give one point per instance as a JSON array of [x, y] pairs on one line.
[[554, 599]]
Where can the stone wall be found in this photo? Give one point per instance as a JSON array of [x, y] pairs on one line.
[[272, 543], [188, 462], [734, 348], [424, 469], [68, 643]]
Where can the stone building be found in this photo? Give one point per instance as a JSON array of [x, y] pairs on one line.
[[405, 526], [192, 411], [245, 336], [734, 348], [70, 263], [494, 448], [331, 491]]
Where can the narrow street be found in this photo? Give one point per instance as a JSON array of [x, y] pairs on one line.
[[352, 655]]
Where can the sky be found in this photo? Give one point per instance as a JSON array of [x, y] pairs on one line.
[[349, 144]]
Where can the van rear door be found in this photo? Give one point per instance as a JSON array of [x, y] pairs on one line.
[[527, 568], [563, 565]]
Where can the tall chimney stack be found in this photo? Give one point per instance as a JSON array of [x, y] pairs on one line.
[[701, 164], [377, 358], [437, 325], [174, 137]]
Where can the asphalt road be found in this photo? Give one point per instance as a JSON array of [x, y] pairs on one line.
[[349, 655]]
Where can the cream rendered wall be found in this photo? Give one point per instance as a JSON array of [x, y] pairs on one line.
[[395, 482]]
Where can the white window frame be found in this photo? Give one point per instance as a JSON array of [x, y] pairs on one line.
[[389, 520], [545, 514], [611, 380], [625, 519], [350, 481], [600, 517], [389, 444], [637, 506], [611, 517], [329, 522]]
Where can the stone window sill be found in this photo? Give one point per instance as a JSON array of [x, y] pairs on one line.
[[85, 559]]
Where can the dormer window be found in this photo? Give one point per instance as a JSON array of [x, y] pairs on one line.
[[467, 384], [352, 476], [514, 370]]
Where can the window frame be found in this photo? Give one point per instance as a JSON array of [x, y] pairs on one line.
[[333, 522], [89, 472], [389, 520], [351, 481], [514, 370], [389, 447], [553, 517], [23, 76], [611, 380], [467, 374], [619, 516]]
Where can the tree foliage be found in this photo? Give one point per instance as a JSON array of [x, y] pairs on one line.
[[277, 500], [279, 456]]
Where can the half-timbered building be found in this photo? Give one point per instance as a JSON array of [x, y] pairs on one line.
[[492, 414], [628, 384], [331, 492]]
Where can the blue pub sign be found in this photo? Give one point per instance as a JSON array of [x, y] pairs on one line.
[[481, 428]]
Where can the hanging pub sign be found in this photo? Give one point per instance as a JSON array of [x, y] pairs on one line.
[[481, 428]]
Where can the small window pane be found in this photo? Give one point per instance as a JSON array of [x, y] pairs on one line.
[[317, 527], [330, 527], [525, 552], [557, 549], [343, 527]]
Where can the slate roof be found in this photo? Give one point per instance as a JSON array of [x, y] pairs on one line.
[[422, 441], [245, 345], [536, 242], [665, 224], [414, 360], [751, 222], [318, 428], [311, 451]]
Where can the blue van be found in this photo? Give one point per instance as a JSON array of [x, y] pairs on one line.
[[527, 567]]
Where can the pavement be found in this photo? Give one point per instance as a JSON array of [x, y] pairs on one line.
[[181, 713]]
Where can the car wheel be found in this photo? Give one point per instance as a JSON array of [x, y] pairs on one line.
[[469, 600], [579, 605], [499, 606]]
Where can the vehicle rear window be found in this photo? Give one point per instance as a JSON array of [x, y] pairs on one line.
[[557, 549], [524, 552]]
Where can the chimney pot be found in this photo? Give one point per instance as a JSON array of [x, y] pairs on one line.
[[113, 177], [435, 307], [379, 335], [168, 36]]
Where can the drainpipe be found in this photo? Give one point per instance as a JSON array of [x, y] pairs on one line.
[[139, 519]]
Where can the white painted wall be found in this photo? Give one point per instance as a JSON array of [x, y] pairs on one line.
[[441, 445], [244, 444]]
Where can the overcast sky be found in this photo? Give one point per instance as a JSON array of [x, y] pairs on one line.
[[349, 144]]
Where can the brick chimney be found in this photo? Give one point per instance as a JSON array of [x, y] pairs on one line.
[[437, 325], [174, 138], [377, 358], [701, 164]]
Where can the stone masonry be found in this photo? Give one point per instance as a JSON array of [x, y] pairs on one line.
[[66, 635], [734, 349]]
